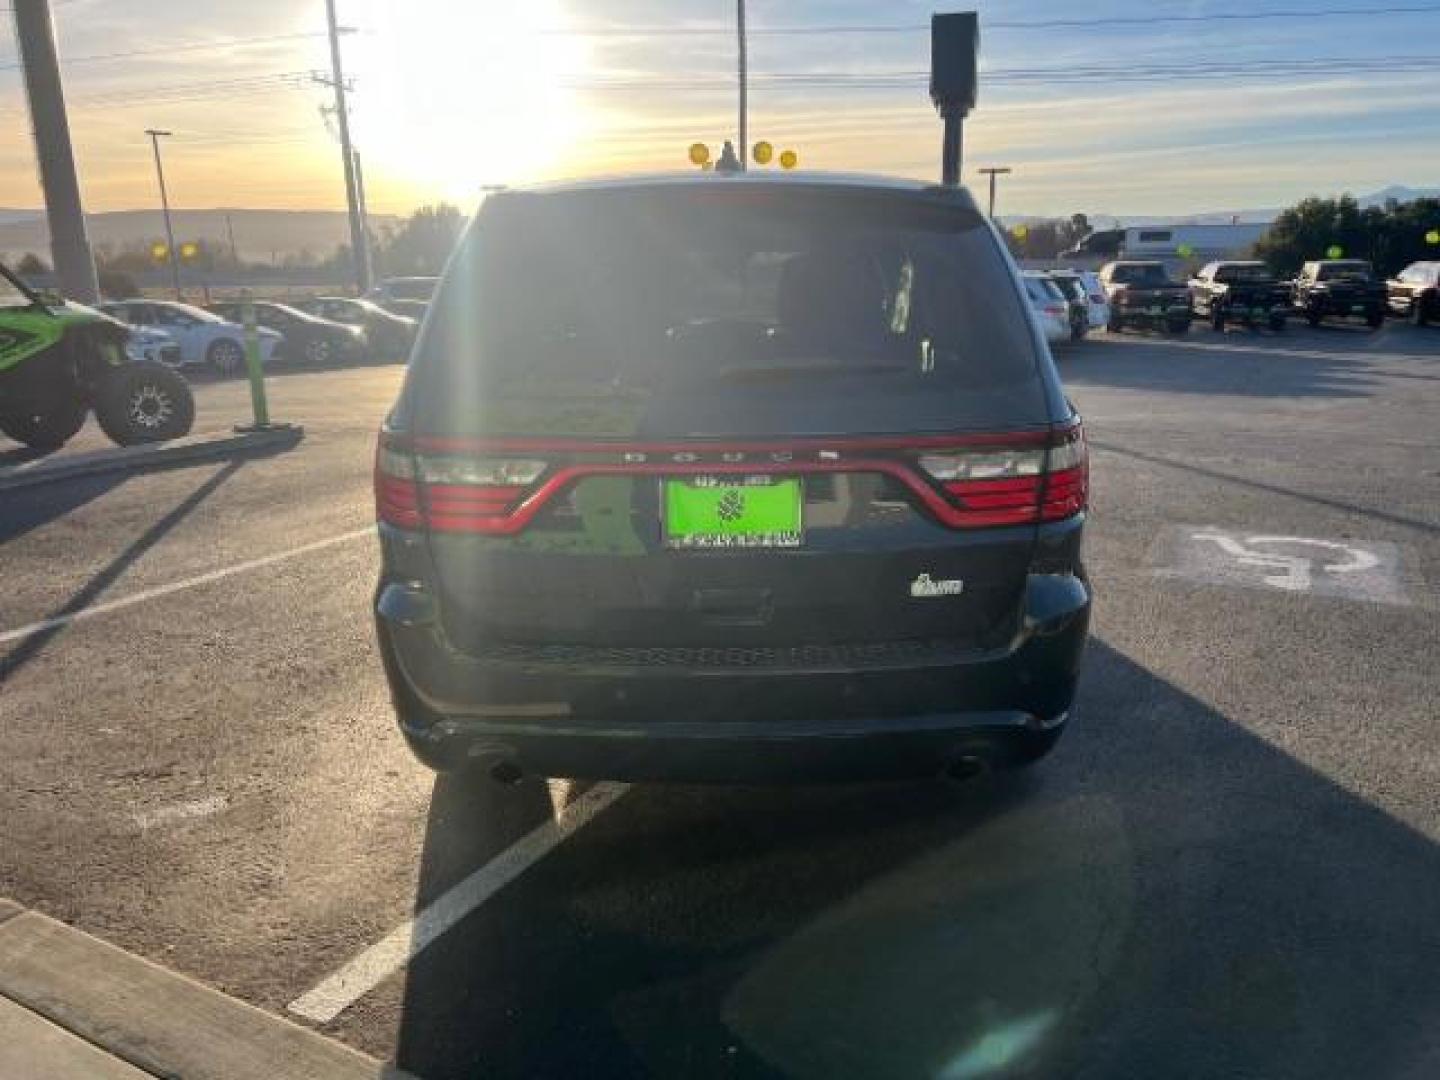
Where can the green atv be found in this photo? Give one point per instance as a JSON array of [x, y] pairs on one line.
[[60, 360]]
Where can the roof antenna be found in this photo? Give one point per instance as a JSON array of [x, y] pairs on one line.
[[729, 162]]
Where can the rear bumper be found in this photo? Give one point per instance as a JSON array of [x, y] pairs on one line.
[[885, 718]]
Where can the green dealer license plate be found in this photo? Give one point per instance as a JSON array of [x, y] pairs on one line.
[[733, 512]]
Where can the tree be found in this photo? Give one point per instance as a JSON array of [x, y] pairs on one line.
[[117, 284], [422, 243], [1074, 230], [1391, 236], [30, 265], [1037, 240]]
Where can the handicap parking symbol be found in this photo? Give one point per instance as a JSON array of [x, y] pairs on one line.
[[1348, 569]]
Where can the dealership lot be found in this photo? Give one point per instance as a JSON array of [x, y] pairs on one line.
[[1230, 862]]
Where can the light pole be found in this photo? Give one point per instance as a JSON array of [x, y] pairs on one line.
[[1003, 170], [165, 206], [744, 89]]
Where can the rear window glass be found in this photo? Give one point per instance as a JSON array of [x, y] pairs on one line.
[[1139, 274], [725, 290], [1258, 272], [1332, 271]]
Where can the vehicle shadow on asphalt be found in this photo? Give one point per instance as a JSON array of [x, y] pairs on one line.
[[32, 508], [1167, 896], [1250, 365], [32, 644], [1260, 485]]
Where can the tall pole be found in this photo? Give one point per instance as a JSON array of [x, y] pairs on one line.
[[358, 249], [953, 147], [744, 88], [364, 213], [1003, 170], [230, 233], [69, 245], [165, 206]]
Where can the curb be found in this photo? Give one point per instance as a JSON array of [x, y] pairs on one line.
[[61, 989], [153, 455]]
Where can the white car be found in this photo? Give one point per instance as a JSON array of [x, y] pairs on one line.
[[204, 338], [153, 345], [1095, 297], [1049, 307]]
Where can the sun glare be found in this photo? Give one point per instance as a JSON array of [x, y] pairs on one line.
[[455, 95]]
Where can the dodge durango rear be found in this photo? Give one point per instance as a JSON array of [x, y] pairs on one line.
[[731, 478]]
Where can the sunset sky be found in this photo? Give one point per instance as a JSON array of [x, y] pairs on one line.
[[451, 95]]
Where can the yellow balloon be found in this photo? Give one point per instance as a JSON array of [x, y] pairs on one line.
[[1334, 251], [1021, 232], [763, 152], [189, 250], [158, 251], [1433, 236], [789, 159], [699, 153]]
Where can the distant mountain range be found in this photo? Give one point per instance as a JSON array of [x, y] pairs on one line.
[[1398, 192], [271, 235], [260, 235]]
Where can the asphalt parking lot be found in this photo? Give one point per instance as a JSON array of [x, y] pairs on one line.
[[1228, 867]]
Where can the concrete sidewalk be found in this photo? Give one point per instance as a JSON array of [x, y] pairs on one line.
[[72, 1006]]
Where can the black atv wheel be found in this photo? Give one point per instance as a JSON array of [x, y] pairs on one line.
[[1277, 323], [142, 403], [1313, 317], [1217, 320], [44, 428], [1178, 326], [1375, 319]]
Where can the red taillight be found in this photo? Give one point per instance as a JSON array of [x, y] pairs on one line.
[[1014, 486], [450, 493], [397, 497], [497, 487]]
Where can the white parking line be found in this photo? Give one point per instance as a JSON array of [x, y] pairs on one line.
[[373, 966], [177, 586]]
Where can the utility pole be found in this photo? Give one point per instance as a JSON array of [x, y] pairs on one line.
[[744, 143], [359, 249], [364, 212], [230, 233], [1003, 170], [69, 245], [165, 206]]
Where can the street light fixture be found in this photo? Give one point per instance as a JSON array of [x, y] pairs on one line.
[[1003, 170], [155, 135]]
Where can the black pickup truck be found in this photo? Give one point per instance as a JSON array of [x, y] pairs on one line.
[[1339, 289], [1243, 292], [1142, 294]]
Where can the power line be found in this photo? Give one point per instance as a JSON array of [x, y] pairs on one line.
[[190, 46], [1042, 75], [996, 24]]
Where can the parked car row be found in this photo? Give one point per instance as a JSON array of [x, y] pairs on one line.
[[321, 330], [1067, 304], [1247, 292]]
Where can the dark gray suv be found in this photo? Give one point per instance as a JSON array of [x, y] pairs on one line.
[[736, 477]]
